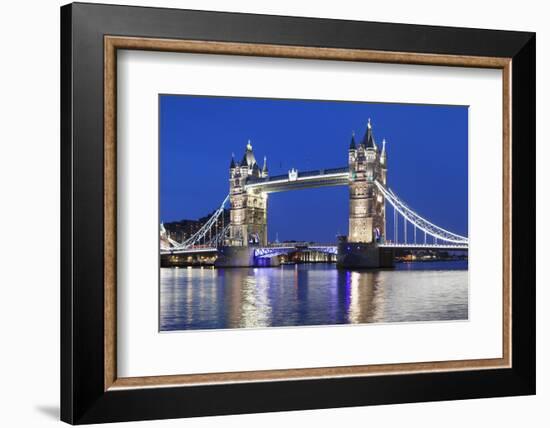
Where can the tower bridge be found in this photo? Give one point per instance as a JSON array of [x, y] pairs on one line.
[[243, 242]]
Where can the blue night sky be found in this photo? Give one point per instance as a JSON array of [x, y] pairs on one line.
[[427, 148]]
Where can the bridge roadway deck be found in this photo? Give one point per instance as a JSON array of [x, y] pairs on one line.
[[321, 247]]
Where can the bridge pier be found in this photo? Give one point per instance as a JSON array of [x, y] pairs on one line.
[[240, 256], [357, 255], [235, 256]]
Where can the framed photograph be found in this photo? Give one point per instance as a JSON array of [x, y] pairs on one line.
[[316, 212]]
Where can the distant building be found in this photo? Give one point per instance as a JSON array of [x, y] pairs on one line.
[[181, 230]]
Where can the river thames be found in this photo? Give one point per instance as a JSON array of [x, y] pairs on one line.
[[311, 294]]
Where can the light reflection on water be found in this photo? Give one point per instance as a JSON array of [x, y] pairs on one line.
[[311, 294]]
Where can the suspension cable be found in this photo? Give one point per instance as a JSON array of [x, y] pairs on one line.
[[426, 226]]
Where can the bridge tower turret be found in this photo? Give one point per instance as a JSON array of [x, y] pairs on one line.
[[248, 212], [237, 198], [366, 206]]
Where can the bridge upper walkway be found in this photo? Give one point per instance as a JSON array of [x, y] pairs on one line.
[[295, 180]]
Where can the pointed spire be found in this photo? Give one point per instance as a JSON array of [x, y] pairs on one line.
[[383, 157], [232, 164], [264, 169], [368, 139], [352, 145], [248, 157]]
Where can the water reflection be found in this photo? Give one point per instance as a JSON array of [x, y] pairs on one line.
[[311, 294]]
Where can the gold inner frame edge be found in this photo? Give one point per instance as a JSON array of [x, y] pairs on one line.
[[113, 43]]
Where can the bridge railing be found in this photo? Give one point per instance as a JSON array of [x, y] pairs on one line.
[[254, 180], [310, 173], [412, 245], [337, 170]]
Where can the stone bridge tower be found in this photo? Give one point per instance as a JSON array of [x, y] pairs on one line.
[[248, 212], [367, 216]]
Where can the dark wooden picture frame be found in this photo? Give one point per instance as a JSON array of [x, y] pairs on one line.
[[90, 37]]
